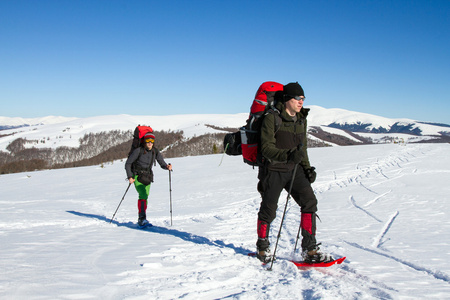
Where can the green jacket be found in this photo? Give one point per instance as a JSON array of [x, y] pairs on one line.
[[279, 140]]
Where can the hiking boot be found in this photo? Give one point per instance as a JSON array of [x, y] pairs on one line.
[[142, 222], [264, 255], [263, 250], [315, 255]]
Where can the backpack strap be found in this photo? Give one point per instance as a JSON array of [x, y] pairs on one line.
[[154, 151], [277, 119], [263, 162], [134, 164]]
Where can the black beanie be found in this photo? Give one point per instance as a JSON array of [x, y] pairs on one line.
[[293, 89]]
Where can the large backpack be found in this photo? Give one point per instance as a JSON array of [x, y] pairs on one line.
[[247, 140]]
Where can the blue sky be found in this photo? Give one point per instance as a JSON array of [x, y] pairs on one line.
[[89, 58]]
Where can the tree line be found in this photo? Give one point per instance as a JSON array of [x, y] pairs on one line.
[[99, 148], [104, 147]]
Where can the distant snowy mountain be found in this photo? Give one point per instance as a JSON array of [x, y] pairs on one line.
[[332, 126], [363, 122], [11, 123], [68, 133]]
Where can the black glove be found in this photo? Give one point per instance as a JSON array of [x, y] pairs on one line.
[[311, 174], [295, 155]]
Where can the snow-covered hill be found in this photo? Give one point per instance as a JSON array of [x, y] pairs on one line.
[[9, 123], [385, 207], [53, 132], [68, 133], [363, 122]]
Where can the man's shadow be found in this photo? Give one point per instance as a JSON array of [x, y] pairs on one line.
[[186, 236]]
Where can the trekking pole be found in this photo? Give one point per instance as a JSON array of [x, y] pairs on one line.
[[298, 235], [120, 203], [282, 218], [224, 151], [170, 193]]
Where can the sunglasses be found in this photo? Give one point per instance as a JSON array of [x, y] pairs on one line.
[[150, 140], [298, 98]]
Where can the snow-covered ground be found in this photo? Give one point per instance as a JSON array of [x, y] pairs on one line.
[[385, 207]]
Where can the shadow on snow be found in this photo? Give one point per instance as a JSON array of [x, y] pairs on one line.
[[186, 236]]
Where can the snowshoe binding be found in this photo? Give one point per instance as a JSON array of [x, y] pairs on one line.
[[315, 255]]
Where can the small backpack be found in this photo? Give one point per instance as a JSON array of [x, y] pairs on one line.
[[246, 141]]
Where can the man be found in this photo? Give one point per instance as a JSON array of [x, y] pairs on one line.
[[283, 146], [139, 171]]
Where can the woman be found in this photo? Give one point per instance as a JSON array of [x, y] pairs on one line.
[[139, 171]]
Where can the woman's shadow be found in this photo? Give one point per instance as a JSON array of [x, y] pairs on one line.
[[186, 236]]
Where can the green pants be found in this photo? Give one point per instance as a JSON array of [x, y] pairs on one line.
[[143, 190]]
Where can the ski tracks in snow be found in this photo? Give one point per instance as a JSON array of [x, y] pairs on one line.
[[387, 173], [378, 240], [352, 199]]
